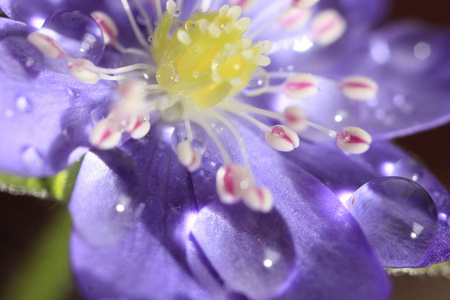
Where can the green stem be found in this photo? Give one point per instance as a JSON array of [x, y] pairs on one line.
[[45, 273]]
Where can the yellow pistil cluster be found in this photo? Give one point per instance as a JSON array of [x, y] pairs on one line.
[[207, 59]]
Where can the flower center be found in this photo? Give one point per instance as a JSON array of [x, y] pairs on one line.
[[207, 59], [196, 72]]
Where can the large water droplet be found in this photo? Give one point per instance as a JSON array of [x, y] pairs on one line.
[[398, 217], [77, 33], [32, 158], [258, 84], [118, 215], [259, 264], [167, 76], [409, 50]]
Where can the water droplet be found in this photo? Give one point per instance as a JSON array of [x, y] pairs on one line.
[[121, 120], [403, 104], [32, 158], [23, 104], [398, 217], [340, 116], [199, 137], [408, 168], [116, 218], [77, 33], [167, 76], [408, 50], [263, 261], [177, 13], [73, 93], [258, 83]]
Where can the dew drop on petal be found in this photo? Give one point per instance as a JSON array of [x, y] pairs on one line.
[[408, 168], [406, 50], [73, 93], [398, 217], [118, 216], [258, 83], [23, 104], [32, 158], [78, 34]]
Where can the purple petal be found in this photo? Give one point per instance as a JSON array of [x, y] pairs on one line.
[[410, 65], [36, 12], [138, 249], [245, 248], [382, 159], [359, 13], [45, 114]]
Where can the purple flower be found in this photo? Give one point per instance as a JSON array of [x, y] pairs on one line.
[[199, 206]]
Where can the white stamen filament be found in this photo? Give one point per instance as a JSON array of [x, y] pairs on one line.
[[143, 13], [225, 156], [158, 8], [236, 134], [142, 40]]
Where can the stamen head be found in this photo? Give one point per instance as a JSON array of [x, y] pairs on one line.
[[304, 3], [301, 86], [328, 26], [46, 45], [259, 199], [233, 182], [188, 157], [83, 70], [282, 138], [359, 88], [353, 140], [207, 59], [103, 136], [295, 118], [107, 25]]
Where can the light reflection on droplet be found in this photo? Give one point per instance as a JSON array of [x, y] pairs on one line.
[[302, 44], [32, 158], [422, 50], [23, 104], [120, 207], [268, 263], [387, 169]]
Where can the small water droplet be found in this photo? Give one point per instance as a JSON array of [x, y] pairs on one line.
[[199, 137], [23, 104], [398, 217], [77, 33], [73, 93], [258, 83], [177, 13], [32, 158]]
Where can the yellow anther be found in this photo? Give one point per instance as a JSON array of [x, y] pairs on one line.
[[207, 59]]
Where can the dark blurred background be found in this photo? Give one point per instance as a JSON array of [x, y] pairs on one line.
[[32, 247]]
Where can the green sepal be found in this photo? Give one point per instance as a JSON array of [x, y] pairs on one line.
[[58, 187], [441, 269]]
